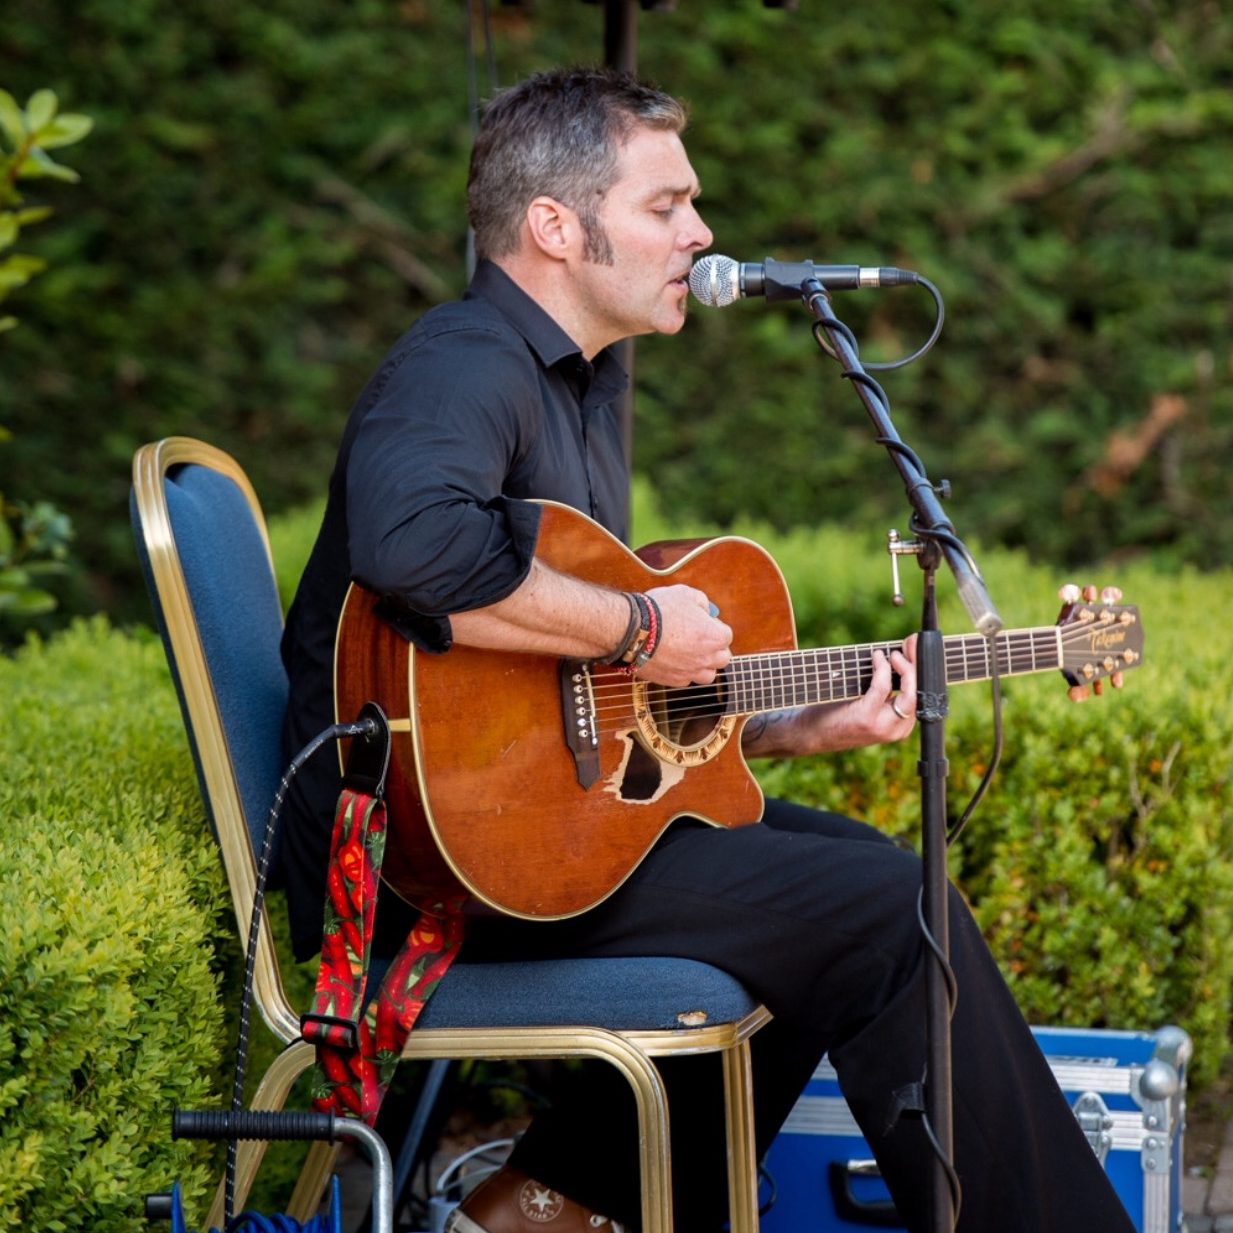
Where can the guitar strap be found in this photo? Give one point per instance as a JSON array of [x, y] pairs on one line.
[[358, 1043]]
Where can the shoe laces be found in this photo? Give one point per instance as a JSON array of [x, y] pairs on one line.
[[598, 1222]]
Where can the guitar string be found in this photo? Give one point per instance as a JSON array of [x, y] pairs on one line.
[[802, 665], [788, 672]]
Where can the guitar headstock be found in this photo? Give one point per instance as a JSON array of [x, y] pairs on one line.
[[1100, 638]]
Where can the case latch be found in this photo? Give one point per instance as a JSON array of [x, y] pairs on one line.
[[1096, 1122]]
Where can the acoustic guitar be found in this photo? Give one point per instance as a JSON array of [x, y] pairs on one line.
[[538, 784]]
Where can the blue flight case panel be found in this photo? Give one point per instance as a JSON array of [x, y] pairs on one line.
[[1128, 1092]]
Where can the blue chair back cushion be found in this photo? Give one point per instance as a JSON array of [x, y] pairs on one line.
[[239, 618]]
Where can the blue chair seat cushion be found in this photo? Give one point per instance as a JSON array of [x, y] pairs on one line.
[[623, 994]]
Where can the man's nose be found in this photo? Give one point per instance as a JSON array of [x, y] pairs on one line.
[[699, 234]]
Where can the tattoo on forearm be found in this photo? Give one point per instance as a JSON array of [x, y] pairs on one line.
[[760, 730]]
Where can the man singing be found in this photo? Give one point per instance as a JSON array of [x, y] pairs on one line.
[[582, 200]]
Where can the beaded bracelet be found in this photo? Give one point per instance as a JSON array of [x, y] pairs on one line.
[[651, 645], [646, 638]]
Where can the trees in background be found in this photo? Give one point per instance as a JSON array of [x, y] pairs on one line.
[[34, 535], [277, 191]]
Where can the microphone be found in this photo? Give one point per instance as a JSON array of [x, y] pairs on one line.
[[719, 281]]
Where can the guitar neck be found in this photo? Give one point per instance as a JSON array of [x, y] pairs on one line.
[[776, 680]]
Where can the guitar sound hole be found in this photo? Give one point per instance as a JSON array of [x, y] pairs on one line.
[[687, 717]]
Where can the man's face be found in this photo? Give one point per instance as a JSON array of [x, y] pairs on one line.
[[653, 233]]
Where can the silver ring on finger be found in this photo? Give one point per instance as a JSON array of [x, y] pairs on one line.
[[894, 705]]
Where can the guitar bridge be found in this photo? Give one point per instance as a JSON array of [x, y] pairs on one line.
[[580, 720]]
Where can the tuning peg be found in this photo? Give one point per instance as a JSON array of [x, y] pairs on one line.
[[1069, 594], [1090, 592], [1079, 693], [1111, 595], [1117, 680]]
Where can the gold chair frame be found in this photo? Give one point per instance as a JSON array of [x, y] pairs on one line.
[[631, 1052]]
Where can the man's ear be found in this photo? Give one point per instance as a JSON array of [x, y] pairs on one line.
[[554, 228]]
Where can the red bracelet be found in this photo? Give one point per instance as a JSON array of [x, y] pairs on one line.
[[651, 645], [646, 639]]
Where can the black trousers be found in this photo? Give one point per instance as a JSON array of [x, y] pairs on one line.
[[816, 914]]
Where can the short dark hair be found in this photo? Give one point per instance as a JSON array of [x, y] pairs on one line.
[[558, 134]]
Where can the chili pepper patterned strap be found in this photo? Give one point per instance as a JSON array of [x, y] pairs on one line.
[[357, 1047]]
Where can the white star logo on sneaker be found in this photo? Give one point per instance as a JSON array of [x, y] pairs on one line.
[[538, 1203]]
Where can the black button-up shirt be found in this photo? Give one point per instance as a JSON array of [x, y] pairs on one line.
[[482, 407]]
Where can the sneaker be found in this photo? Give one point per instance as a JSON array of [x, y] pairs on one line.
[[511, 1202]]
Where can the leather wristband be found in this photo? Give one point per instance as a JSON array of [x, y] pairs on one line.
[[623, 653]]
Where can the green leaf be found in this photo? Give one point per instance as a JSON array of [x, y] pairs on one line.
[[9, 228], [18, 269], [7, 323], [11, 119], [64, 130], [27, 603], [35, 214], [41, 165], [45, 569], [41, 109]]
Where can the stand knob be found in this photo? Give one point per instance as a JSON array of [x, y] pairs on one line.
[[898, 547]]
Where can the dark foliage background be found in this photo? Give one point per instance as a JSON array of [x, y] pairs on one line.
[[273, 192]]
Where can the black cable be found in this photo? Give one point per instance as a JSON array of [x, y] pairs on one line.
[[952, 998], [995, 758], [772, 1187], [938, 321], [366, 727], [952, 1178]]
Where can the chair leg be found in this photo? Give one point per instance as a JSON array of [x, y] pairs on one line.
[[742, 1166], [655, 1150], [634, 1063]]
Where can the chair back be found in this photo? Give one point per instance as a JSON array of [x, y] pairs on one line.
[[205, 552]]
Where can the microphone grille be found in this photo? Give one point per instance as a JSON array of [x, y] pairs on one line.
[[715, 281]]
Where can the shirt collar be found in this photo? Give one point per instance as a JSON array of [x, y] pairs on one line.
[[542, 333]]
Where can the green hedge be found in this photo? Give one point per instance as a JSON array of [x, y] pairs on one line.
[[1098, 866], [111, 953], [273, 192], [1099, 863]]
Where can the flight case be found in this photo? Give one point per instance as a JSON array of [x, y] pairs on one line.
[[1127, 1089]]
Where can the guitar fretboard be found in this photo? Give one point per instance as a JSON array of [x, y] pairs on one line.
[[773, 681]]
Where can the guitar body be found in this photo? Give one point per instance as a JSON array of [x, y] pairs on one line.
[[486, 791]]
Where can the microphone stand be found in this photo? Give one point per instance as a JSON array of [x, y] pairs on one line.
[[937, 541]]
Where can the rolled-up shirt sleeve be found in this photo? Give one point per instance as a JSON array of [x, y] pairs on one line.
[[430, 527]]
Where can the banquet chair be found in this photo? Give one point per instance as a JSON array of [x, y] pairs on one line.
[[205, 552]]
